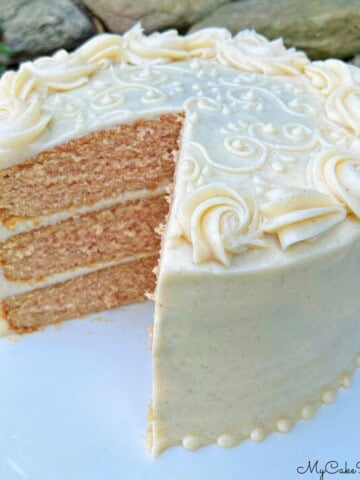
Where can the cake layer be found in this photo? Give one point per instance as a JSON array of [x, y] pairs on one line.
[[25, 225], [10, 288], [100, 290], [100, 165], [106, 235]]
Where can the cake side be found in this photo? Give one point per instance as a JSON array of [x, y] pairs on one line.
[[238, 355], [255, 319]]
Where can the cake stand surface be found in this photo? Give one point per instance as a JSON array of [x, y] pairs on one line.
[[73, 404]]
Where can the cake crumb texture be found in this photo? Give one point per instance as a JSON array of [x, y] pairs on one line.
[[106, 235], [100, 165], [104, 289]]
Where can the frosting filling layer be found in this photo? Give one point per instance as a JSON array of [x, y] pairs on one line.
[[11, 288], [22, 226], [109, 234]]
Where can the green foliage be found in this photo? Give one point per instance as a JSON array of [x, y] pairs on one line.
[[5, 53], [5, 50]]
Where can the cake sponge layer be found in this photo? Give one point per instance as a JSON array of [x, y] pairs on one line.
[[106, 235], [100, 290], [84, 171]]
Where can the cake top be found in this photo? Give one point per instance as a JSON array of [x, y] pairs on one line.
[[270, 144]]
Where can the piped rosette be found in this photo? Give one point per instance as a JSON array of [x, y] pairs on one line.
[[297, 214], [337, 173], [219, 223]]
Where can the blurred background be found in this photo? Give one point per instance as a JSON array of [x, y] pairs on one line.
[[323, 28]]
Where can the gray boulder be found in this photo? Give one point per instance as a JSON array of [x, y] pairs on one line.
[[323, 28], [356, 61], [36, 27], [120, 15]]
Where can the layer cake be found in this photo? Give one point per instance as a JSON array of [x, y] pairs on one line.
[[256, 149]]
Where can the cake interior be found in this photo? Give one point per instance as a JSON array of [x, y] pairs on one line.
[[91, 207]]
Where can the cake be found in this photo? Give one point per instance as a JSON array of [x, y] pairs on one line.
[[256, 150]]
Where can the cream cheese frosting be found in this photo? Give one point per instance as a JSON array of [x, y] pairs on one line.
[[253, 327]]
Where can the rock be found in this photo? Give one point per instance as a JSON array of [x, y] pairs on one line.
[[120, 15], [356, 61], [37, 27], [323, 28]]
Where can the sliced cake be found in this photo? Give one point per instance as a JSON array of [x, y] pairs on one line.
[[256, 305]]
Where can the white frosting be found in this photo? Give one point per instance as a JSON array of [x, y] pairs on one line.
[[102, 50], [296, 214], [346, 380], [63, 71], [20, 84], [343, 107], [243, 351], [21, 122], [257, 435], [307, 412], [329, 75], [219, 222], [337, 173], [170, 46], [251, 52], [328, 396]]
